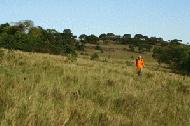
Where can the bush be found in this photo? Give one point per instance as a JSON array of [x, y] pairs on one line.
[[176, 56], [98, 47], [132, 57], [94, 56], [132, 48]]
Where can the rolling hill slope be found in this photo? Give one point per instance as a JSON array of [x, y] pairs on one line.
[[44, 90]]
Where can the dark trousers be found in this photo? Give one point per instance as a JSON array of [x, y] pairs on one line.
[[139, 72]]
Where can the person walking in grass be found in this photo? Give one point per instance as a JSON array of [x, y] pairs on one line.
[[139, 65]]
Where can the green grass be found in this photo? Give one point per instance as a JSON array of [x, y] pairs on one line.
[[46, 90]]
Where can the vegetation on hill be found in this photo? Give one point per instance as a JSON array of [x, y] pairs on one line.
[[25, 36], [175, 54], [47, 90], [100, 88]]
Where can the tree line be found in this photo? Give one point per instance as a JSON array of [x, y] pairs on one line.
[[23, 35], [138, 43]]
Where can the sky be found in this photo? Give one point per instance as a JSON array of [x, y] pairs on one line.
[[169, 19]]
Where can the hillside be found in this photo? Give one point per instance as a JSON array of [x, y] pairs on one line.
[[25, 36], [43, 90]]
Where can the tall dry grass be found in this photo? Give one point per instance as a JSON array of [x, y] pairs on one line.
[[46, 90]]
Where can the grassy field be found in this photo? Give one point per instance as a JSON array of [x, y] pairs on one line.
[[46, 90]]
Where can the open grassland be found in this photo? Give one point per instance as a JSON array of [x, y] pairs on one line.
[[46, 90]]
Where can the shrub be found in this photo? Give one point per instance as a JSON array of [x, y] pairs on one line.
[[177, 56], [94, 56], [98, 47], [132, 48], [132, 57]]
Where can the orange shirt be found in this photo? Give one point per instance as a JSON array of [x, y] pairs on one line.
[[139, 63]]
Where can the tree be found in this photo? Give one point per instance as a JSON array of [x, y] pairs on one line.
[[67, 37], [110, 35], [148, 47], [103, 36], [92, 39], [80, 45], [68, 42], [51, 31], [68, 32], [4, 27], [127, 36], [176, 56], [36, 32], [176, 42], [7, 41], [160, 55], [22, 41], [83, 38], [139, 36], [25, 25]]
